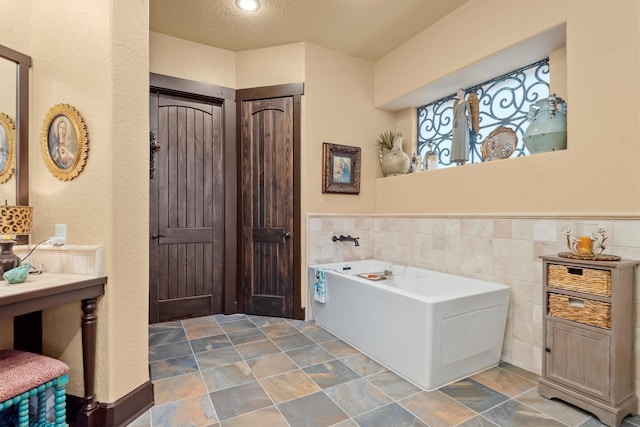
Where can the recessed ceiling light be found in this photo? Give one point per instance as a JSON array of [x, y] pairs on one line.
[[248, 5]]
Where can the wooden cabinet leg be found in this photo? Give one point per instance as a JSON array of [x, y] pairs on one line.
[[89, 332]]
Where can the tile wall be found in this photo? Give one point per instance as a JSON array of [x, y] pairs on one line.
[[73, 259], [502, 250]]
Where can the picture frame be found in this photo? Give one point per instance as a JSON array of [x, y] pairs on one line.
[[341, 169], [64, 141], [7, 147]]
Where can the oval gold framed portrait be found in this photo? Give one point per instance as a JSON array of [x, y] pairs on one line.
[[64, 142], [7, 147]]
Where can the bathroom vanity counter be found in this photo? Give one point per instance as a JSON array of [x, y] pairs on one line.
[[47, 290], [25, 302]]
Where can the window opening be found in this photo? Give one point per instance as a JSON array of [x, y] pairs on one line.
[[503, 101]]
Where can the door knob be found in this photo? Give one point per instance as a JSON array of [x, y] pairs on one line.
[[287, 235]]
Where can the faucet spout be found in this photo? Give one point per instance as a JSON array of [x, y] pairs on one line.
[[347, 238]]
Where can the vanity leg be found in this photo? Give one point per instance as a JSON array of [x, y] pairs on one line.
[[89, 329]]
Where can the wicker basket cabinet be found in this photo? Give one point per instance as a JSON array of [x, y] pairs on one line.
[[588, 336]]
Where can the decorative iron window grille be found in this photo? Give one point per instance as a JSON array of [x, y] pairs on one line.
[[504, 101]]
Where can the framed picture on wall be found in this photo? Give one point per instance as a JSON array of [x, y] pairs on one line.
[[64, 142], [341, 169], [7, 147]]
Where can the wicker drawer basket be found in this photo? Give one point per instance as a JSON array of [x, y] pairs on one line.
[[597, 282], [594, 313]]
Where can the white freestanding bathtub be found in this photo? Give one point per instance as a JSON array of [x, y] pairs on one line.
[[432, 328]]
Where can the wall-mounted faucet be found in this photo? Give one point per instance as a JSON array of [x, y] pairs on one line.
[[346, 239]]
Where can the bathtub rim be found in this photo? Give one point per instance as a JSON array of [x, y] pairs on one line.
[[488, 287]]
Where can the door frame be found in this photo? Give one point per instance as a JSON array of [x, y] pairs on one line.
[[159, 83], [295, 90]]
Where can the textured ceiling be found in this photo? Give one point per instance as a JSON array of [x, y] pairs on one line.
[[367, 29]]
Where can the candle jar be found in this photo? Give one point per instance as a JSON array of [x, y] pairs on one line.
[[589, 247], [584, 245]]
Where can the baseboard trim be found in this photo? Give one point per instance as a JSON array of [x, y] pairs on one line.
[[116, 414]]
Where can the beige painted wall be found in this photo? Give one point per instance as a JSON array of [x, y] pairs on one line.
[[94, 56], [16, 21], [270, 66], [193, 61], [598, 174], [339, 110]]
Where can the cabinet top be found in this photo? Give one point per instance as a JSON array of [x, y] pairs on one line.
[[624, 263]]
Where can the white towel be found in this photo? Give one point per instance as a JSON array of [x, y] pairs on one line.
[[320, 286]]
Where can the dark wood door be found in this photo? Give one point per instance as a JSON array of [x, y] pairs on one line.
[[187, 221], [269, 134]]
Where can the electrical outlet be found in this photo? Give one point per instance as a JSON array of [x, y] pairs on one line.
[[61, 234], [61, 230]]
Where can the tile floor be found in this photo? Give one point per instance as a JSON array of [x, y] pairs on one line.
[[243, 371]]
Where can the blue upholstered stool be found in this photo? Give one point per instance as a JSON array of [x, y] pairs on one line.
[[23, 375]]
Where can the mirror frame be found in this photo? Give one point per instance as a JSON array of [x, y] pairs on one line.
[[23, 64]]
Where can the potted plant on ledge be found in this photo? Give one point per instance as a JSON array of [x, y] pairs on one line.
[[393, 160]]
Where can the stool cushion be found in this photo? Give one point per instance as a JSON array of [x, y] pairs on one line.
[[21, 371]]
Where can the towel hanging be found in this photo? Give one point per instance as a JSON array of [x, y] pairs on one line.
[[320, 286]]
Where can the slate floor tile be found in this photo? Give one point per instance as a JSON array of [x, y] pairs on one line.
[[167, 351], [339, 348], [514, 413], [239, 400], [173, 367], [504, 382], [392, 415], [210, 343], [557, 409], [270, 365], [253, 349], [267, 417], [315, 410], [178, 388], [474, 395], [393, 385], [310, 355], [279, 330], [289, 385], [330, 373], [362, 364], [436, 409], [192, 412], [218, 357], [357, 397], [293, 341], [167, 337], [227, 376], [246, 335]]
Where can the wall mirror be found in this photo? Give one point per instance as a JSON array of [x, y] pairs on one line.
[[8, 92], [14, 103]]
